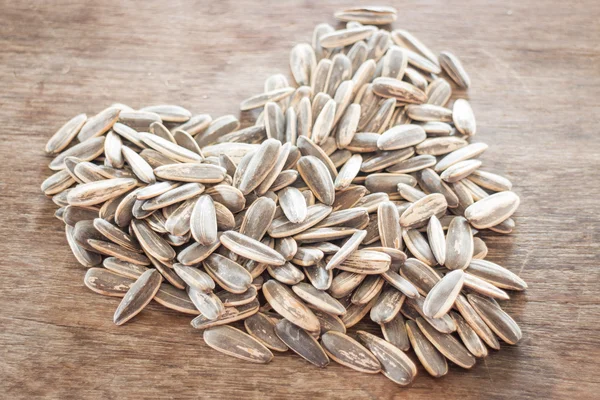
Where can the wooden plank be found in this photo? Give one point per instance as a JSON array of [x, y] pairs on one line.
[[535, 85]]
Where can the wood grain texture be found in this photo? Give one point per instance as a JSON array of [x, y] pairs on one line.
[[535, 84]]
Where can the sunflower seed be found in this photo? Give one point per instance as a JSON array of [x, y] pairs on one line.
[[348, 352], [475, 322], [140, 293], [138, 120], [194, 277], [496, 275], [492, 210], [479, 285], [63, 137], [454, 68], [315, 174], [459, 244], [402, 91], [175, 299], [423, 209], [262, 328], [441, 297], [307, 256], [301, 343], [319, 277], [345, 37], [235, 343], [85, 151], [446, 344], [431, 182], [420, 274], [445, 324], [169, 112], [99, 124], [435, 364], [395, 365], [107, 283], [346, 250], [371, 15], [289, 306], [395, 333], [230, 314], [387, 305], [237, 299], [151, 242], [319, 299], [356, 312], [191, 172], [228, 274], [419, 247], [468, 336], [436, 239]]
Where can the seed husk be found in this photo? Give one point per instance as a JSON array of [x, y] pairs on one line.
[[209, 305], [348, 352], [356, 312], [175, 299], [235, 343], [366, 262], [320, 277], [479, 285], [401, 136], [475, 322], [138, 296], [419, 247]]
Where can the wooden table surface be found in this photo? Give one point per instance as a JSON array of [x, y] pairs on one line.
[[535, 68]]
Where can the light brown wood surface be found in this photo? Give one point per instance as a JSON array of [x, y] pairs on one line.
[[535, 69]]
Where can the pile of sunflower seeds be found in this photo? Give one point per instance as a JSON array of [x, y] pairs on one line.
[[356, 193]]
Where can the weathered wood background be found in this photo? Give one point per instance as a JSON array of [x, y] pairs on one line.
[[535, 68]]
